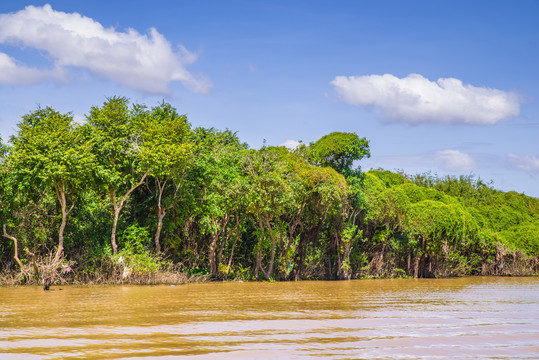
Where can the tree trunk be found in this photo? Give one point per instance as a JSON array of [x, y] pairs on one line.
[[272, 254], [116, 210], [346, 274], [160, 216], [225, 236], [231, 255], [258, 266], [299, 257], [15, 244], [306, 236], [33, 261], [161, 212], [219, 256], [61, 194], [338, 270], [117, 207], [60, 249], [259, 252], [211, 254], [238, 235], [416, 267]]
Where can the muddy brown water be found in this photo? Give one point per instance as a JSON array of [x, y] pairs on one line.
[[465, 318]]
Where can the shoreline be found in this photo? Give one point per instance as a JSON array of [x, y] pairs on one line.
[[204, 279]]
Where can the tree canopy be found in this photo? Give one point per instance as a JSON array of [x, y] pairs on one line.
[[339, 150], [136, 192]]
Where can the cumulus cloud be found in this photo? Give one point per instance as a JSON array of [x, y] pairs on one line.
[[142, 62], [291, 144], [454, 160], [13, 73], [415, 99], [529, 164]]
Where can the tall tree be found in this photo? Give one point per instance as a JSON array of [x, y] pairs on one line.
[[117, 137], [51, 152], [6, 207], [268, 193], [220, 185], [166, 150]]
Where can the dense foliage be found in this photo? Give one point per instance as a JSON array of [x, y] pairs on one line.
[[135, 193]]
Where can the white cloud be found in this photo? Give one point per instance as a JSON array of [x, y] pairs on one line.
[[529, 164], [143, 62], [12, 73], [291, 144], [415, 99], [454, 160]]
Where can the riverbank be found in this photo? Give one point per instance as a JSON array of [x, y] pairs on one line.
[[28, 276], [114, 272], [168, 278]]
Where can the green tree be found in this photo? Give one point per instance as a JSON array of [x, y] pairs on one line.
[[221, 186], [339, 150], [51, 152], [117, 138], [6, 207], [165, 150], [268, 193], [320, 193]]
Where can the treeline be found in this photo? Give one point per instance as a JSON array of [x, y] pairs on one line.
[[135, 193]]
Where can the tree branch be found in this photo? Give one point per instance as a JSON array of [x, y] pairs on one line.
[[15, 242]]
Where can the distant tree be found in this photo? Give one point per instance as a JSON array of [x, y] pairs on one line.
[[339, 150]]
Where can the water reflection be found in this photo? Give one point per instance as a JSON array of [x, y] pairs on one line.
[[449, 318]]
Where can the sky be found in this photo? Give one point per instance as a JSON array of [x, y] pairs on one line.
[[450, 87]]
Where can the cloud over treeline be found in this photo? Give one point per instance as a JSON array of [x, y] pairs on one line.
[[290, 144], [144, 62], [415, 99], [528, 164], [454, 160]]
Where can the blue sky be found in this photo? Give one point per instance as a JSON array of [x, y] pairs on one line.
[[446, 86]]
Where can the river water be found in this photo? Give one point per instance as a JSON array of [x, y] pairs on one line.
[[465, 318]]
